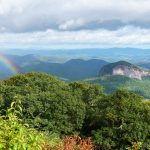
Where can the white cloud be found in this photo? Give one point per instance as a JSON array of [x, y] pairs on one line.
[[8, 7], [71, 24], [126, 36]]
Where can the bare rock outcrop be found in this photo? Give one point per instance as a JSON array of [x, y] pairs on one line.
[[124, 69]]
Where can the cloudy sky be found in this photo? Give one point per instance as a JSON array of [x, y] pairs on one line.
[[74, 23]]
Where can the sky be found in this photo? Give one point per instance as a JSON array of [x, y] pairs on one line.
[[75, 23]]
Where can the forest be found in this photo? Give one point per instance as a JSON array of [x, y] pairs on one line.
[[111, 83], [40, 112]]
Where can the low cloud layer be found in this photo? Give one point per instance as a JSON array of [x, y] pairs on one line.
[[99, 22], [127, 36]]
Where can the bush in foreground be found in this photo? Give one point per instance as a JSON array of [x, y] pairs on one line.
[[14, 135]]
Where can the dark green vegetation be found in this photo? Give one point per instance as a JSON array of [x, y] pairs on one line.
[[48, 104], [112, 83], [41, 94]]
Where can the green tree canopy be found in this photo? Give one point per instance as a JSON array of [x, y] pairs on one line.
[[122, 118], [48, 103]]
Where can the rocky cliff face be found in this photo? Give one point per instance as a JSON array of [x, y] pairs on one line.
[[130, 72], [125, 69]]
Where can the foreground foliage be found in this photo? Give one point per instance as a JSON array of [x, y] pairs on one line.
[[14, 135], [117, 121]]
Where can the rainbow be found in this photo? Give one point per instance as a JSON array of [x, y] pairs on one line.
[[8, 64]]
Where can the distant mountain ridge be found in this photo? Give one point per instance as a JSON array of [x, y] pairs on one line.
[[74, 69], [125, 69], [144, 65], [134, 55]]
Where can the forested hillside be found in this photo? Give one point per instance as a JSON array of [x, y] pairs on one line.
[[46, 104], [112, 83], [74, 69]]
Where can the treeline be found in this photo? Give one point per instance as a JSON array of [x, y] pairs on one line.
[[115, 121]]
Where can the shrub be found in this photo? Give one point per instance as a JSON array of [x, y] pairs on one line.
[[14, 135]]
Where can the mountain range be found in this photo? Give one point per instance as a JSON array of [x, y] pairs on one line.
[[133, 55], [110, 76], [74, 69]]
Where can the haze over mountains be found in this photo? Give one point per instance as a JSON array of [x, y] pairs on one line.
[[133, 55]]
